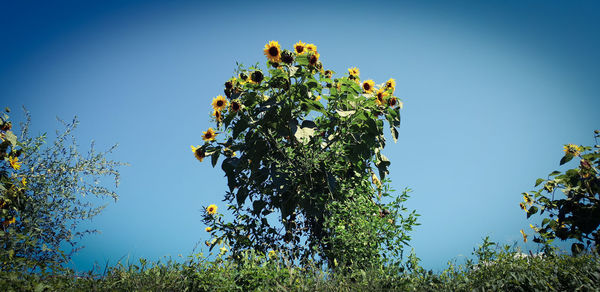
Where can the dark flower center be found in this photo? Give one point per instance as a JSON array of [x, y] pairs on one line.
[[393, 102], [366, 86], [313, 60], [228, 85], [235, 106], [256, 76], [208, 135], [299, 49], [200, 153], [219, 103], [273, 51]]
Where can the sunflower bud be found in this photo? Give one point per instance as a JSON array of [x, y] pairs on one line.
[[229, 85], [273, 64], [256, 76], [584, 164], [287, 57]]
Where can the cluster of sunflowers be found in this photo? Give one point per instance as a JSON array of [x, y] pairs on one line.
[[13, 185], [277, 57]]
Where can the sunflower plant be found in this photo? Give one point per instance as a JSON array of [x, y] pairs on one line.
[[302, 151], [574, 213]]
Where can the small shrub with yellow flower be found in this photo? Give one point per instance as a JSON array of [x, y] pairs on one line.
[[574, 212]]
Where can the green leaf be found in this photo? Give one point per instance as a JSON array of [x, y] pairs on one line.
[[240, 126], [214, 158], [344, 114], [303, 134], [539, 181], [258, 206], [532, 210], [10, 137], [241, 196], [302, 60], [566, 158], [394, 133]]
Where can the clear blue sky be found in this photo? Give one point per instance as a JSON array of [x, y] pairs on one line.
[[491, 93]]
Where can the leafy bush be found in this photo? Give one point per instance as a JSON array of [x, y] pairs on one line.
[[576, 213], [42, 189], [304, 145]]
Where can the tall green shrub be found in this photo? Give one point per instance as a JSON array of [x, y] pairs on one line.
[[301, 150]]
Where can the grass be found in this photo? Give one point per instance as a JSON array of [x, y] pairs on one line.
[[502, 270]]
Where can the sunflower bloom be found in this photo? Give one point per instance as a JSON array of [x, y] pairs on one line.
[[380, 97], [375, 180], [572, 149], [273, 51], [212, 209], [390, 85], [300, 48], [209, 135], [313, 59], [256, 77], [393, 101], [219, 103], [311, 48], [354, 72], [524, 235], [527, 200], [14, 162], [368, 86], [218, 115], [522, 205], [198, 152], [208, 229], [235, 106]]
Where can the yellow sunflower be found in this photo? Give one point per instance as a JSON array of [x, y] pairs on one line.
[[368, 86], [313, 59], [390, 84], [393, 101], [272, 253], [311, 48], [572, 149], [522, 205], [524, 235], [354, 72], [218, 115], [208, 229], [14, 162], [380, 97], [527, 199], [212, 209], [235, 106], [273, 51], [300, 48], [328, 74], [219, 103], [209, 135], [198, 152], [318, 98]]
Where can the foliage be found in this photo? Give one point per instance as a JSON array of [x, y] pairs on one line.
[[576, 215], [304, 145], [42, 199], [494, 269]]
